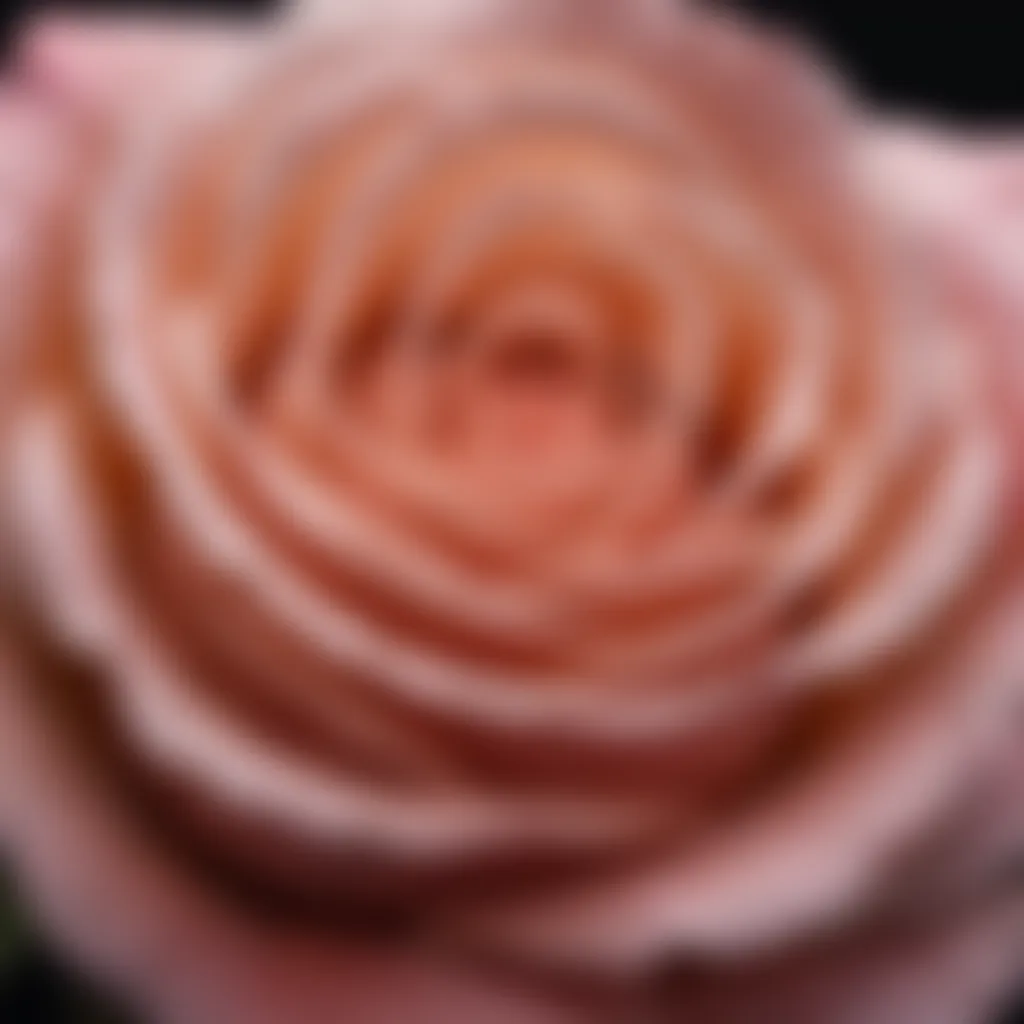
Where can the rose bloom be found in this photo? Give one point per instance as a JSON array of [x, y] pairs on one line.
[[511, 512]]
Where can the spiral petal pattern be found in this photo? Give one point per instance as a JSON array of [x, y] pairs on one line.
[[499, 476]]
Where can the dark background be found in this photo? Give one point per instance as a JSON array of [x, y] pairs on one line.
[[963, 62]]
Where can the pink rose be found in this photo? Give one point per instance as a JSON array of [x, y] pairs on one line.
[[511, 511]]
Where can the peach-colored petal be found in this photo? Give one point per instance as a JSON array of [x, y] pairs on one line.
[[818, 851], [108, 890]]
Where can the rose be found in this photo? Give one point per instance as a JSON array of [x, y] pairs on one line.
[[678, 672]]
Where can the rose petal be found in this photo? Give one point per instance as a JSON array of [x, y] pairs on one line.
[[817, 852], [122, 910], [100, 68], [953, 970]]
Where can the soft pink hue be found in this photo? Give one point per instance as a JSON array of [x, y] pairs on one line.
[[898, 835]]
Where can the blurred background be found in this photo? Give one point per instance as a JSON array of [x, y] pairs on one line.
[[961, 62]]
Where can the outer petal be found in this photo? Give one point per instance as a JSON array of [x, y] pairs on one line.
[[163, 942], [819, 850], [955, 970], [99, 68], [963, 199], [983, 843], [169, 947]]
